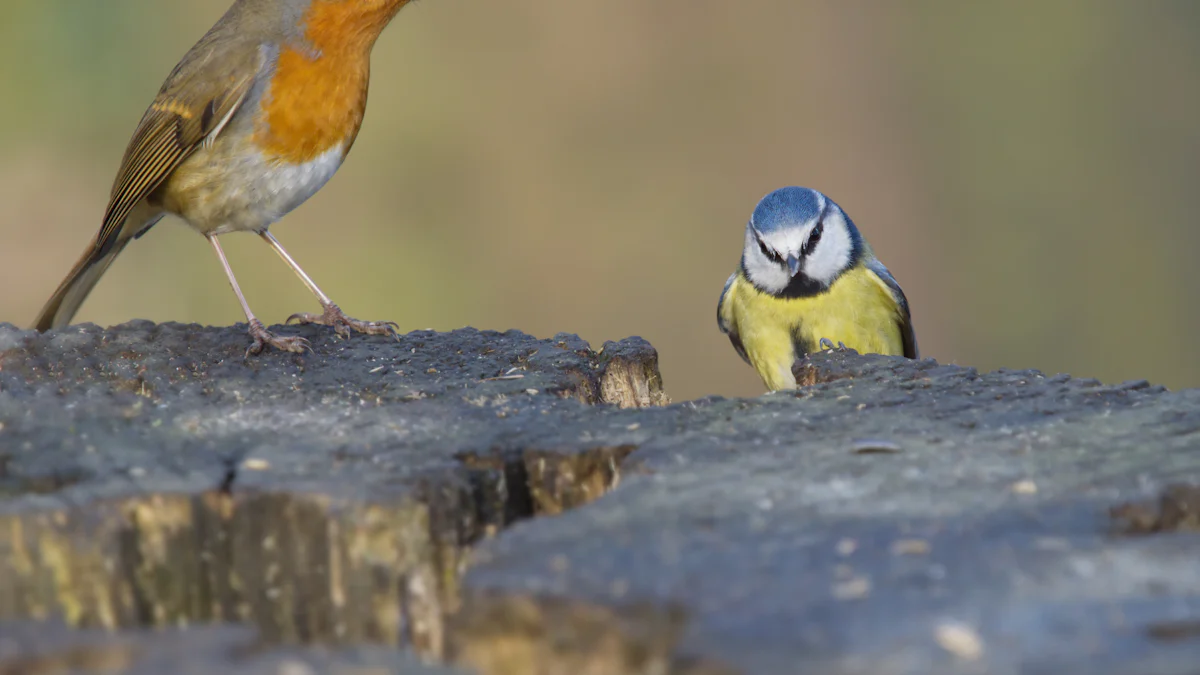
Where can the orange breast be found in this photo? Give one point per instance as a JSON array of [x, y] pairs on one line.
[[317, 97]]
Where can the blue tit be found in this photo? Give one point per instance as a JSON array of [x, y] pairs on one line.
[[807, 277]]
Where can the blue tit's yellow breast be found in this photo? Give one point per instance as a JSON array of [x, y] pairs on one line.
[[858, 310]]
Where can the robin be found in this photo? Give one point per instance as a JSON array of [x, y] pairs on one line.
[[254, 119]]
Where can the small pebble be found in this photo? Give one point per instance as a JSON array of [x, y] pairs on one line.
[[960, 640], [1024, 487], [910, 547], [855, 588]]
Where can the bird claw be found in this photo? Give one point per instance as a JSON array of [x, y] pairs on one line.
[[342, 324], [827, 345], [263, 337]]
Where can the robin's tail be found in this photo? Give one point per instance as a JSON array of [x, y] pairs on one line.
[[75, 288]]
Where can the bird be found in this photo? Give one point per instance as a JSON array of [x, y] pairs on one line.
[[808, 279], [254, 119]]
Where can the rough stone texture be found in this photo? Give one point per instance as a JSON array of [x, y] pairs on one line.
[[151, 475], [895, 517], [891, 517], [28, 648], [1176, 510]]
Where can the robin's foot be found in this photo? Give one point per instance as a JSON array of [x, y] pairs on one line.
[[263, 337], [342, 324]]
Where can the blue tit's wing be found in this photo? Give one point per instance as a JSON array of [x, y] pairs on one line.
[[725, 317], [906, 329]]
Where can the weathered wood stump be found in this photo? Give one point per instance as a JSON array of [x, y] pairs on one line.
[[379, 503]]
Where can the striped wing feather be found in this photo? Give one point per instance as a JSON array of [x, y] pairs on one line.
[[171, 130]]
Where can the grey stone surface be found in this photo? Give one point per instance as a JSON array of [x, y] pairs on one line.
[[892, 517], [179, 407], [151, 475], [908, 518]]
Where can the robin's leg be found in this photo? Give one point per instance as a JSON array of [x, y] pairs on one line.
[[332, 314], [259, 332]]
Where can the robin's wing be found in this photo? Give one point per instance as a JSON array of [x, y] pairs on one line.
[[181, 119], [906, 329], [725, 317]]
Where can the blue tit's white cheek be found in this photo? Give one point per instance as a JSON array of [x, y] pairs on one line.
[[831, 255], [763, 272]]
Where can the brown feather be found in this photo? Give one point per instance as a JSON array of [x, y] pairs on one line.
[[171, 130]]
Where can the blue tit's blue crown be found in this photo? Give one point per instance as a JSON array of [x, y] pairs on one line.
[[787, 207]]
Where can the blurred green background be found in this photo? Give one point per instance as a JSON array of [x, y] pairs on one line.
[[1026, 169]]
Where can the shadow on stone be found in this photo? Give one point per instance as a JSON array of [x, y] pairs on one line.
[[501, 634], [1177, 509]]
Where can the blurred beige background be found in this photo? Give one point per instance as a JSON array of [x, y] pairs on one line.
[[1028, 170]]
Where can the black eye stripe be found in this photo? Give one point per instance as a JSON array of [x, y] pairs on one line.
[[768, 252], [813, 238]]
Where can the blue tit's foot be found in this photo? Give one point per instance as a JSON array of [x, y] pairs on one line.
[[263, 337], [342, 324], [826, 345]]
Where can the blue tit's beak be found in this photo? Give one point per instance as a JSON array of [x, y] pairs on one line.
[[793, 265]]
